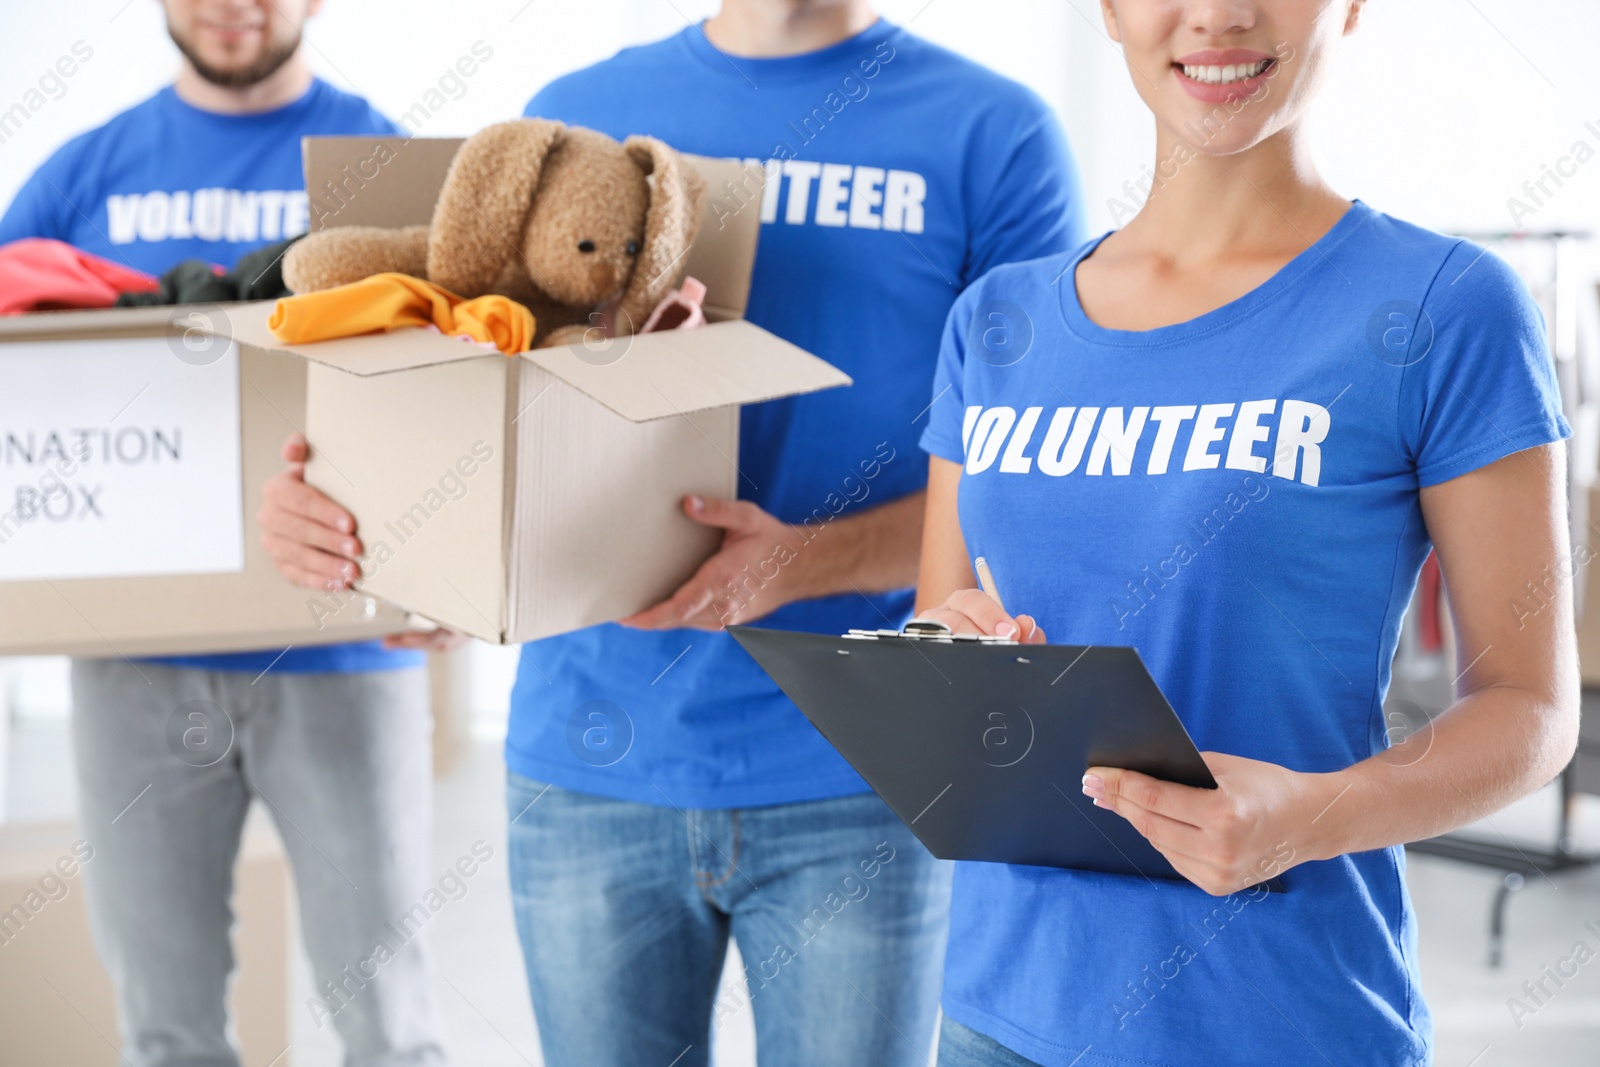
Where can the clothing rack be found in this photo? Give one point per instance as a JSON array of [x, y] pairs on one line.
[[1578, 374]]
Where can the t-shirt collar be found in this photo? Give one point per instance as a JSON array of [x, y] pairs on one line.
[[838, 57], [1313, 255], [301, 103]]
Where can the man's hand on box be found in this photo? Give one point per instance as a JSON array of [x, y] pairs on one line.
[[313, 542], [439, 640], [311, 539], [761, 566]]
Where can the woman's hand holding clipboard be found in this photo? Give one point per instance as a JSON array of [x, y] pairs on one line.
[[1256, 823]]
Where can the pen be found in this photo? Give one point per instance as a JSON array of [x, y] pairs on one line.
[[986, 580]]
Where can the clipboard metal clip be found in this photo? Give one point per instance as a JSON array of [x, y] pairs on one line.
[[927, 630]]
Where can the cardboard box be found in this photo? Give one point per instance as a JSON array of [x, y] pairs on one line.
[[127, 516], [58, 1001], [85, 509], [513, 498]]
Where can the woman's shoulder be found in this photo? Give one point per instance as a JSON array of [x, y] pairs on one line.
[[1452, 272]]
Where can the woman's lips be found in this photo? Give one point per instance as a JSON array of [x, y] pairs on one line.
[[1222, 76], [1222, 57]]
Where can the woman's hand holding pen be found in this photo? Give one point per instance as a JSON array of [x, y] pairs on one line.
[[972, 611]]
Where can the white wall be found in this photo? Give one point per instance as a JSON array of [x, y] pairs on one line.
[[1433, 115]]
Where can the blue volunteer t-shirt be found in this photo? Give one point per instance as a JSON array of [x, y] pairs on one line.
[[164, 182], [1237, 498], [898, 173]]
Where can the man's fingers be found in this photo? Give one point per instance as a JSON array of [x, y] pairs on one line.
[[309, 580], [440, 640], [295, 449], [293, 527], [690, 599], [297, 556], [291, 494], [726, 514]]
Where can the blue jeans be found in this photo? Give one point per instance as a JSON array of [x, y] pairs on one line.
[[625, 910], [962, 1046]]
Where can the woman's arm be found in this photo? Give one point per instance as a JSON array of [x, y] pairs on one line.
[[945, 567], [1511, 731], [1515, 725], [946, 589]]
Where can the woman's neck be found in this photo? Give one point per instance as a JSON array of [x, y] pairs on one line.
[[776, 28], [1203, 206]]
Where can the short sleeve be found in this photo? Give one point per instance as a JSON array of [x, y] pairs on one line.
[[1484, 386], [943, 435], [36, 210], [560, 99], [1030, 201], [382, 126]]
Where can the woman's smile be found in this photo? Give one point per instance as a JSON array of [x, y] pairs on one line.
[[1220, 75]]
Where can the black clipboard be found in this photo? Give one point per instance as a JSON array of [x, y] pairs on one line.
[[979, 744]]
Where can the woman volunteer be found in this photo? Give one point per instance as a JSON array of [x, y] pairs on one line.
[[1227, 435]]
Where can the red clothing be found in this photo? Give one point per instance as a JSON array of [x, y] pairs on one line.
[[39, 274]]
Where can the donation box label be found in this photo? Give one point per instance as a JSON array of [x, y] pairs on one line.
[[118, 459]]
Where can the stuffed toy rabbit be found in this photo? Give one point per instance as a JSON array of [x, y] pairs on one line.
[[562, 219]]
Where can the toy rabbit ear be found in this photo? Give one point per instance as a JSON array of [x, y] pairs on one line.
[[487, 194], [677, 198]]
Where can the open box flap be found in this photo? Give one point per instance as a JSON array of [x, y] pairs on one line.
[[679, 372], [659, 374], [367, 354]]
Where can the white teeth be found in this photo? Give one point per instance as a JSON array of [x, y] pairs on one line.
[[1214, 75]]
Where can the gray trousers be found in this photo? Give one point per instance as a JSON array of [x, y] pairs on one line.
[[169, 760]]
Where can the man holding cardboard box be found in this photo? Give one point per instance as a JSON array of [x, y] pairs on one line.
[[171, 752], [663, 794]]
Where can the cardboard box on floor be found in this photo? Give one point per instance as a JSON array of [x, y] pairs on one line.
[[58, 1002], [148, 545], [513, 498]]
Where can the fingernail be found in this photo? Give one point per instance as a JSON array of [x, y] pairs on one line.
[[349, 548], [344, 523], [1094, 786], [1101, 804], [348, 570], [1005, 629], [696, 503]]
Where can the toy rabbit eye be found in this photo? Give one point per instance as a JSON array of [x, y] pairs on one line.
[[586, 245], [633, 248]]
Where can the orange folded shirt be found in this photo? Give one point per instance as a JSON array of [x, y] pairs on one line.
[[391, 301]]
